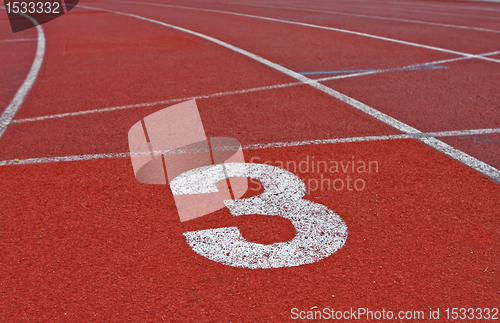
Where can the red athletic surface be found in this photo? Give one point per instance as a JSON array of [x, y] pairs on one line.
[[460, 97], [84, 241]]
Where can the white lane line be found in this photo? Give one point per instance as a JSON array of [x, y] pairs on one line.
[[150, 104], [219, 94], [21, 94], [454, 133], [17, 40], [377, 17], [44, 160], [320, 27], [419, 136]]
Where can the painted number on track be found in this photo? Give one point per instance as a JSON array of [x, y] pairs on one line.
[[320, 232]]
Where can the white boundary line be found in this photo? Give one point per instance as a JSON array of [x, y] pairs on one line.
[[392, 40], [219, 94], [440, 146], [150, 104], [374, 17], [420, 136], [21, 94]]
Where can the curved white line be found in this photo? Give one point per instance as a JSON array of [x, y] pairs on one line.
[[392, 40], [21, 94], [377, 17]]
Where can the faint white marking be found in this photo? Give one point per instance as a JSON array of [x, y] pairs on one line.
[[452, 7], [43, 160], [377, 17], [434, 5], [17, 39], [256, 89], [444, 13], [314, 26], [150, 104], [320, 232], [21, 94]]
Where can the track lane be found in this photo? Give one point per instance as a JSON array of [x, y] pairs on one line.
[[481, 19], [317, 76], [456, 133], [334, 14], [112, 248], [448, 12], [294, 22]]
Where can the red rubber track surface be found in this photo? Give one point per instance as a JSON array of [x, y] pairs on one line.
[[112, 248], [435, 100], [485, 146], [84, 241]]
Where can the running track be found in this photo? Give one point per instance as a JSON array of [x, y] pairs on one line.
[[411, 85]]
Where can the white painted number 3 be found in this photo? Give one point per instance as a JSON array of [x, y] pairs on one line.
[[319, 231]]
